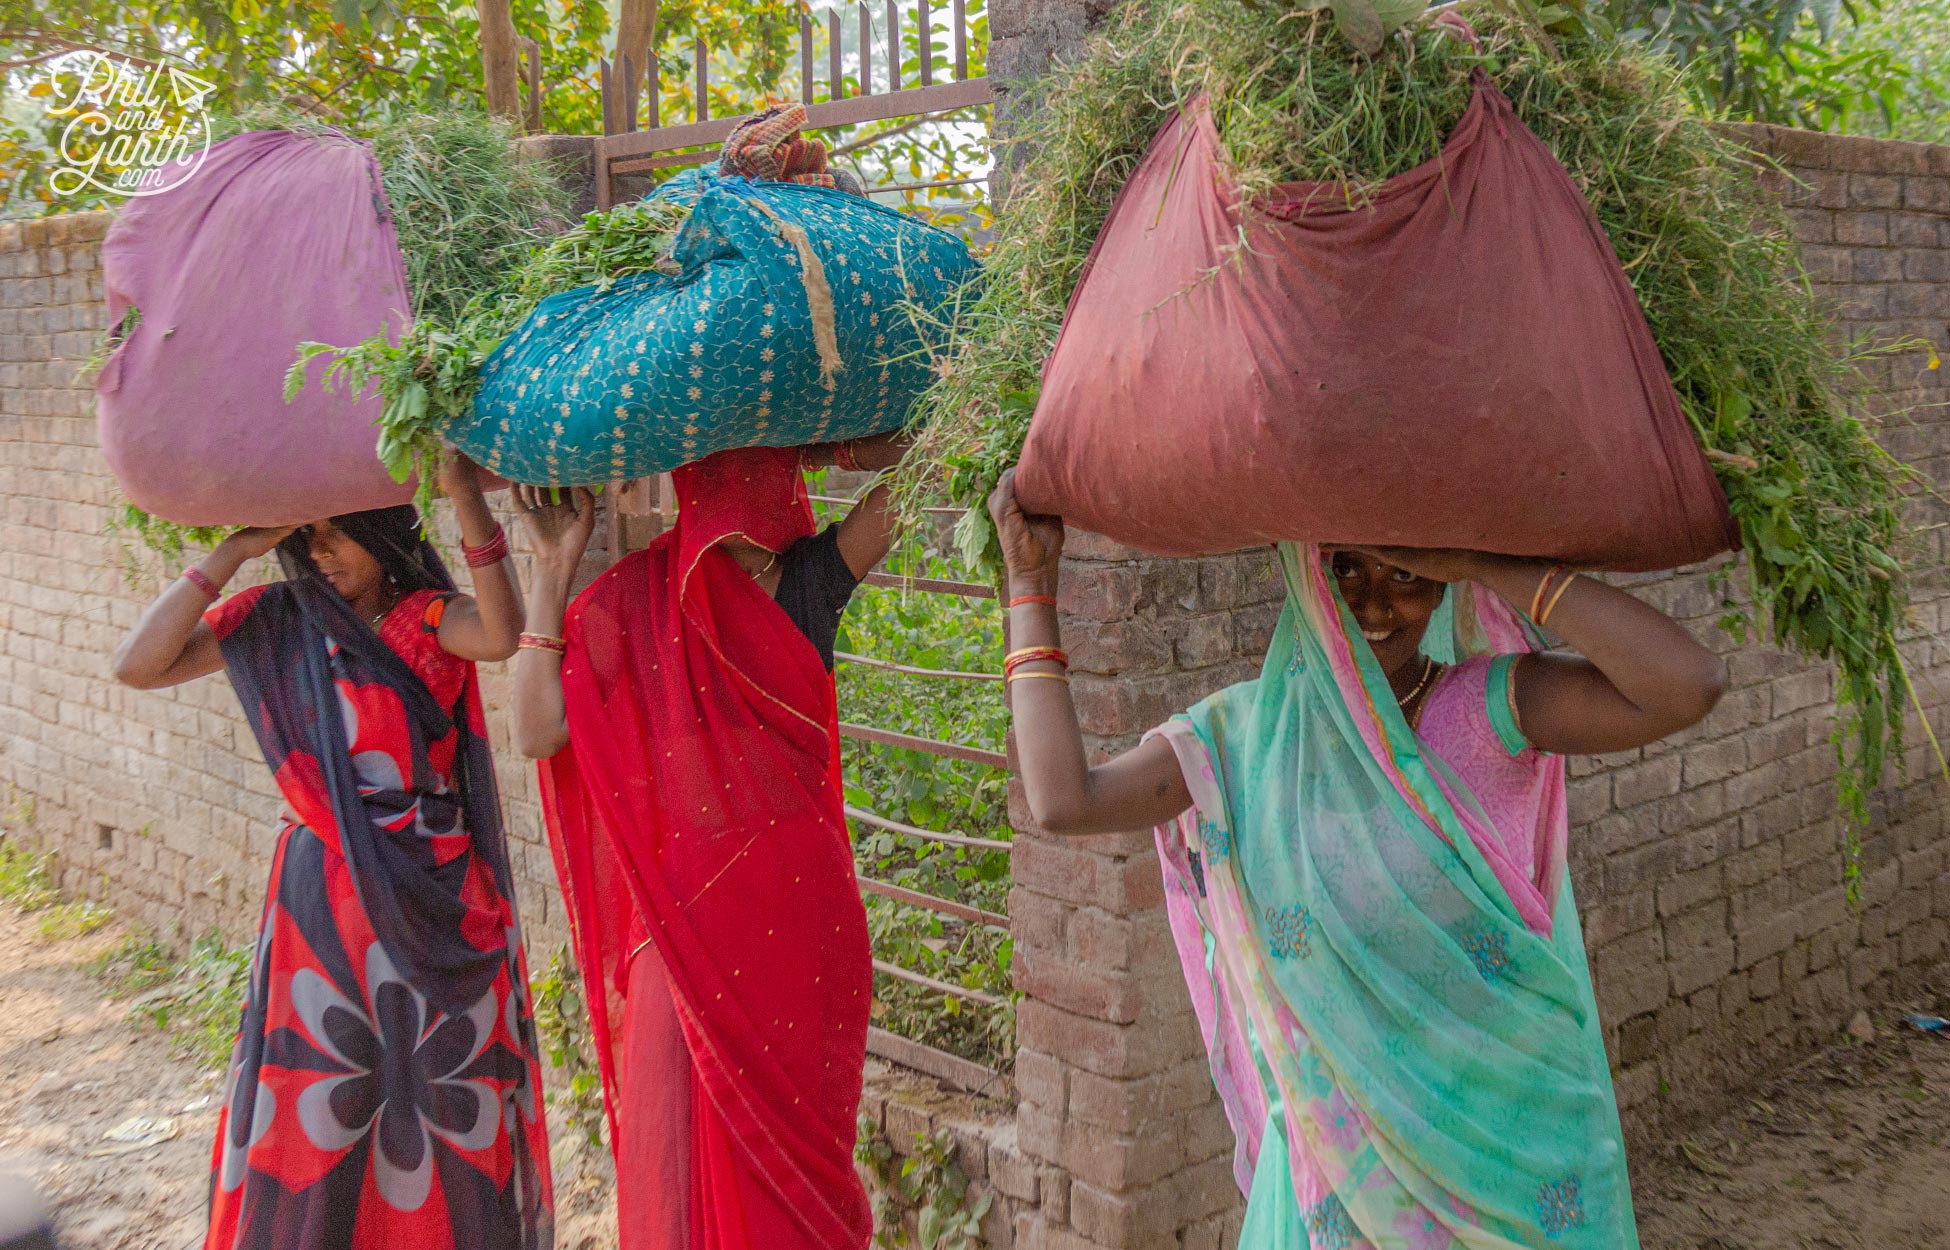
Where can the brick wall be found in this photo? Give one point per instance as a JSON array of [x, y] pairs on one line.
[[1708, 867]]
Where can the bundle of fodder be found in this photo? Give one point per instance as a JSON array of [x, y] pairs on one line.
[[764, 301], [1292, 100], [288, 233], [423, 382]]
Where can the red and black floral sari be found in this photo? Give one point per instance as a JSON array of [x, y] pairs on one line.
[[384, 1092]]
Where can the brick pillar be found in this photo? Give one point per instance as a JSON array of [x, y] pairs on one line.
[[1116, 1107]]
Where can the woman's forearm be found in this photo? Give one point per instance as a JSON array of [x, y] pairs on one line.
[[1648, 657], [1066, 794], [497, 596], [144, 658], [541, 717]]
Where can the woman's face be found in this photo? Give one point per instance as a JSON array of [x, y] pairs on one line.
[[1391, 605], [350, 568]]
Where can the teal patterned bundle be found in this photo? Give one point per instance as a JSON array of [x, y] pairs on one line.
[[798, 314]]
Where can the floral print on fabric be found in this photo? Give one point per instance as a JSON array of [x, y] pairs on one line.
[[1560, 1206], [1287, 931], [1329, 1227], [1489, 951]]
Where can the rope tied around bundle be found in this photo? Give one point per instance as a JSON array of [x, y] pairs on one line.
[[768, 146]]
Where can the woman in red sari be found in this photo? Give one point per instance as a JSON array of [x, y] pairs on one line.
[[385, 1090], [684, 709]]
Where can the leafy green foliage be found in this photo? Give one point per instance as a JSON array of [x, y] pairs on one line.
[[26, 882], [929, 792], [927, 1182], [198, 1000], [133, 966], [562, 1022], [73, 919], [428, 377]]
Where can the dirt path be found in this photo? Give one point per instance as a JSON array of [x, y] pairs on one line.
[[1849, 1151], [76, 1067]]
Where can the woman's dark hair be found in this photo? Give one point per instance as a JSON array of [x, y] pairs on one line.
[[392, 536]]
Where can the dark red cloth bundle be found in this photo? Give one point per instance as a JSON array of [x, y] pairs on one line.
[[1455, 361]]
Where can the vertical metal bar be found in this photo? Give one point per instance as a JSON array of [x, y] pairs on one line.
[[893, 45], [866, 50], [924, 42], [805, 58], [961, 41], [653, 82], [629, 94], [703, 81], [835, 80]]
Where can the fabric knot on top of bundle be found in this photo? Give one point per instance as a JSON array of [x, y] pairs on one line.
[[768, 145]]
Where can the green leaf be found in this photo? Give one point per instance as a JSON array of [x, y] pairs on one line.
[[1361, 23]]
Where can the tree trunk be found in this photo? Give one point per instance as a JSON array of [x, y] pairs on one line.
[[499, 73], [636, 33]]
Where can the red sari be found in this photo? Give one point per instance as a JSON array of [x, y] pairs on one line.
[[697, 826]]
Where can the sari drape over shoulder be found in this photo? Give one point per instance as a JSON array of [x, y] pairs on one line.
[[1387, 966]]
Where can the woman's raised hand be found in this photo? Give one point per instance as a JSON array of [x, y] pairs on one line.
[[559, 523], [1436, 564], [250, 543], [1031, 545], [459, 477]]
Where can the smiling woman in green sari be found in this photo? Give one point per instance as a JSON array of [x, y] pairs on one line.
[[1364, 858]]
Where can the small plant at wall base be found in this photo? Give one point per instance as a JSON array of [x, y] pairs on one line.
[[198, 1002], [564, 1028], [927, 1183]]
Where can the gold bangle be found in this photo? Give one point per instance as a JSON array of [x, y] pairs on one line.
[[1019, 674], [1550, 607], [1543, 585]]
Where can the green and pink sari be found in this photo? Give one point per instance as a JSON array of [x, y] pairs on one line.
[[1379, 938]]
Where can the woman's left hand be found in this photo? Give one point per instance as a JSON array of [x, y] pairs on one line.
[[459, 476], [1436, 564]]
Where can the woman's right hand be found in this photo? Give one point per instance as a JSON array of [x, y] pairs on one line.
[[1031, 545], [248, 544], [559, 523]]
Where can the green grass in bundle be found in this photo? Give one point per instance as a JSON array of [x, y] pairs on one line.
[[428, 378], [1748, 348]]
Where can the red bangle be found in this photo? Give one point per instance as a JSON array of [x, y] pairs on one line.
[[1029, 655], [1019, 600], [542, 642], [493, 551], [201, 580], [843, 457]]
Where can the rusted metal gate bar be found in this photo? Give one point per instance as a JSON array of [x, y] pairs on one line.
[[624, 149], [847, 657], [866, 817], [942, 987], [929, 746], [947, 907]]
